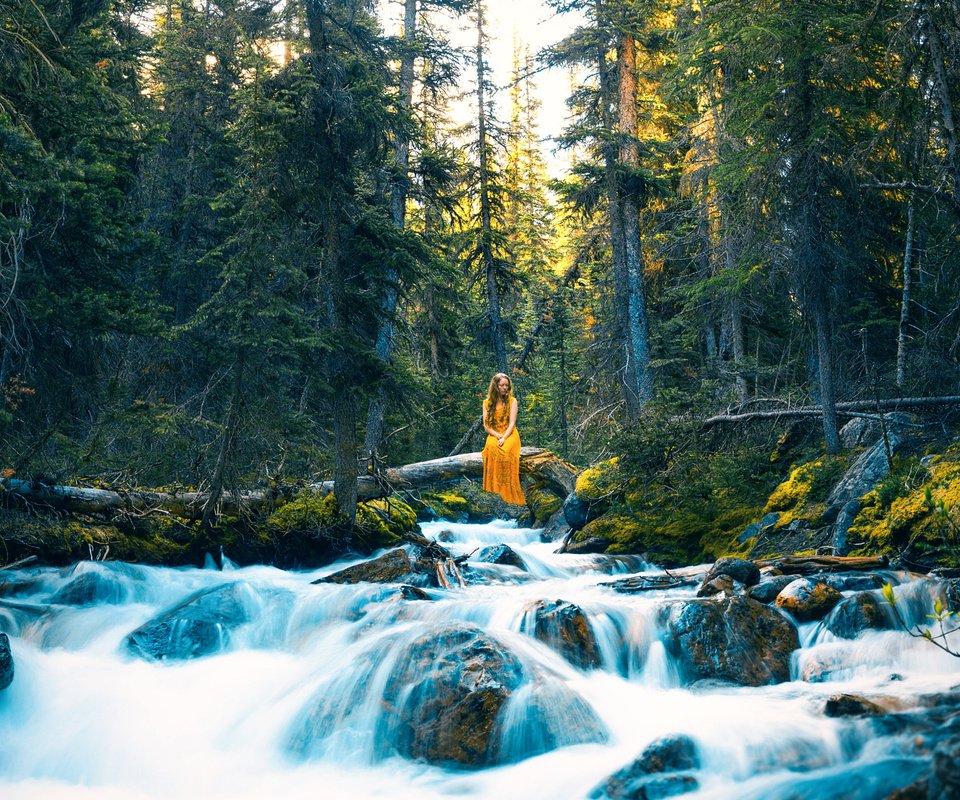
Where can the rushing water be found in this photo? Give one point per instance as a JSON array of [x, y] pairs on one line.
[[84, 718]]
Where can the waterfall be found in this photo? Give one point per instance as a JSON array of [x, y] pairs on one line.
[[246, 682]]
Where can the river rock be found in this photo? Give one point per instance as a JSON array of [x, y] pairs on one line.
[[594, 544], [500, 554], [394, 566], [944, 782], [741, 570], [644, 779], [736, 639], [855, 614], [564, 627], [578, 512], [556, 528], [91, 588], [848, 581], [851, 705], [721, 584], [767, 590], [6, 662], [808, 600], [451, 688], [199, 626], [864, 474]]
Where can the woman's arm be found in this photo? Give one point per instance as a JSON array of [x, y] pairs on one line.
[[513, 421], [486, 427]]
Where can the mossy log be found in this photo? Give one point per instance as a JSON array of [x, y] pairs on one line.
[[808, 565], [188, 505]]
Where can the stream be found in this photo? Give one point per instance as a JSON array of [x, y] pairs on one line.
[[298, 696]]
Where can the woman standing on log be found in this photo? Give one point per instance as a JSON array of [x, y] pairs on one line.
[[501, 455]]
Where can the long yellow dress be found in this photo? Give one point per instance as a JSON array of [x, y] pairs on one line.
[[501, 465]]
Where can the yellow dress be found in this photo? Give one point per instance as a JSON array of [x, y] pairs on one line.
[[501, 465]]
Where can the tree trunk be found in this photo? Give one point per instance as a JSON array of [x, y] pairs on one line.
[[638, 371], [938, 63], [486, 227], [905, 299], [831, 431], [398, 208], [210, 507]]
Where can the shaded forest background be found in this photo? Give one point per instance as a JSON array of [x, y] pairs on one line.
[[244, 242]]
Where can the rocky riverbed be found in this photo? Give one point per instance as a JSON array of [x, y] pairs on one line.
[[484, 664]]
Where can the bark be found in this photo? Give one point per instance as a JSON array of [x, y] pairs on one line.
[[556, 473], [938, 63], [398, 208], [809, 565], [638, 371], [831, 430], [905, 299]]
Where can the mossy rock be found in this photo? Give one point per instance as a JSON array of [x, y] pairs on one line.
[[922, 516], [447, 504], [600, 482], [802, 495], [543, 504]]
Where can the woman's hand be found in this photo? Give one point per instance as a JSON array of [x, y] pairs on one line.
[[501, 440]]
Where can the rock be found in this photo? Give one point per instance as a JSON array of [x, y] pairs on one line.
[[741, 570], [860, 432], [408, 592], [6, 662], [556, 528], [564, 627], [736, 639], [445, 535], [808, 600], [849, 581], [767, 590], [90, 588], [644, 777], [851, 705], [500, 554], [394, 566], [845, 517], [451, 688], [199, 626], [756, 528], [853, 615], [577, 512], [944, 781], [722, 584], [864, 474], [595, 544]]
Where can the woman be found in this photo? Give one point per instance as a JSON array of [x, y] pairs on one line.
[[501, 455]]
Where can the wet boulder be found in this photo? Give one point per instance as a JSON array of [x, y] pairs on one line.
[[855, 614], [736, 639], [851, 705], [592, 544], [394, 566], [741, 570], [199, 626], [645, 778], [944, 782], [721, 584], [91, 588], [767, 590], [808, 600], [556, 528], [500, 554], [6, 662], [564, 627]]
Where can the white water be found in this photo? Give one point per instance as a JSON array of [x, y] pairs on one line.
[[85, 719]]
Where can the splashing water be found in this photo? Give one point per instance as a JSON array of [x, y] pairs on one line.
[[301, 688]]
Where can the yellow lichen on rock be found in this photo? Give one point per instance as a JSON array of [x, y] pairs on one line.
[[600, 481], [801, 495]]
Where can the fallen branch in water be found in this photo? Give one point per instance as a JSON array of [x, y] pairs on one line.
[[19, 563]]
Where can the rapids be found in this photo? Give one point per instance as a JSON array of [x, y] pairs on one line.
[[86, 718]]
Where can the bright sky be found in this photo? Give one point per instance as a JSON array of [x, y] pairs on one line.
[[533, 24]]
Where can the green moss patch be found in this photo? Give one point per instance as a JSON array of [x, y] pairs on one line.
[[802, 495]]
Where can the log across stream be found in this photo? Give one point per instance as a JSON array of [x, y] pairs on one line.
[[536, 679]]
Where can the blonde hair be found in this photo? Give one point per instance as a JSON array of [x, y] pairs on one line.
[[493, 392]]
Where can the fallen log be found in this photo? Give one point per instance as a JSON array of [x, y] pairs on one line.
[[558, 474], [843, 409], [807, 565]]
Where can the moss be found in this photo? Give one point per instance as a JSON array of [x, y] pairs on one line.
[[447, 504], [801, 495], [917, 510], [601, 481], [543, 503]]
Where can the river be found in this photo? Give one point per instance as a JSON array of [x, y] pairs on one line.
[[86, 718]]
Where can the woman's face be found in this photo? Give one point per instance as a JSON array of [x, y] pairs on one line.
[[503, 385]]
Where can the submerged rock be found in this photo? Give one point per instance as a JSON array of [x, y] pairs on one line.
[[564, 627], [741, 570], [199, 626], [853, 615], [851, 705], [644, 779], [90, 588], [736, 639], [6, 662], [500, 554], [394, 566], [808, 600], [592, 544]]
